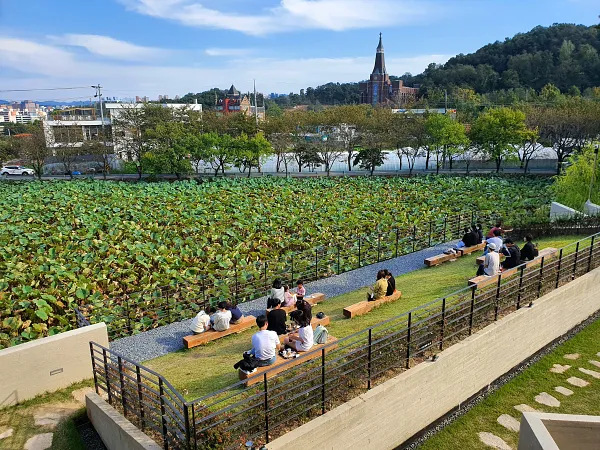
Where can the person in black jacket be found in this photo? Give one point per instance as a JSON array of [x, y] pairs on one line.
[[276, 319], [391, 283], [529, 252], [512, 253], [479, 233]]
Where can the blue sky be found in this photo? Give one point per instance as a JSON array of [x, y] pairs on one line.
[[151, 47]]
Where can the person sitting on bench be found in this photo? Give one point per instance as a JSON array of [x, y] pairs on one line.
[[220, 320], [277, 291], [290, 298], [499, 227], [469, 239], [512, 253], [265, 343], [305, 307], [529, 251], [300, 290], [236, 314], [201, 322], [391, 283], [302, 340], [496, 240], [379, 289], [491, 265], [479, 231], [276, 318]]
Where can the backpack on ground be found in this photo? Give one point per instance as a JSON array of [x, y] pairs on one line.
[[321, 335]]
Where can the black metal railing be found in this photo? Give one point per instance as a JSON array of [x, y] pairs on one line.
[[245, 281], [340, 371]]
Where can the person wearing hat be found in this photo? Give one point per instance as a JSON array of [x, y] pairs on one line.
[[491, 264]]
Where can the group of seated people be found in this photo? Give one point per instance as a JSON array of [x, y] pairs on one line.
[[383, 287], [473, 236], [265, 342], [222, 317], [514, 256], [282, 293]]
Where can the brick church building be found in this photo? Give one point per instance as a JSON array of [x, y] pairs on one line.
[[380, 90]]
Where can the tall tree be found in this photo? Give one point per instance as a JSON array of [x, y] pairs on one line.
[[34, 149]]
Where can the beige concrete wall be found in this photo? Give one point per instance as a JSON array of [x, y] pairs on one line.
[[47, 364], [116, 431], [394, 411]]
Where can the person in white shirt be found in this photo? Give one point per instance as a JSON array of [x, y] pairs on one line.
[[496, 240], [491, 264], [277, 293], [265, 343], [220, 320], [303, 339], [201, 322]]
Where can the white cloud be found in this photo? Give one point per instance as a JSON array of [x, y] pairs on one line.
[[48, 66], [109, 47], [228, 51], [291, 15]]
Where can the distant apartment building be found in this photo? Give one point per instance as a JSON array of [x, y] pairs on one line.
[[74, 126], [234, 102], [26, 112]]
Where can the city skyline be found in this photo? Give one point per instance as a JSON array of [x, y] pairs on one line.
[[172, 47]]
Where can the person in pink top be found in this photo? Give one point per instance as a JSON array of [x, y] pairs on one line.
[[300, 291], [289, 299]]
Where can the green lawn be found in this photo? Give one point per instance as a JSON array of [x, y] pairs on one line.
[[462, 434], [208, 368], [20, 419]]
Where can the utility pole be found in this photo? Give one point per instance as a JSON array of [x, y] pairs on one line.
[[105, 156], [446, 101]]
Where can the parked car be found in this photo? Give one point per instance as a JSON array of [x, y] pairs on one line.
[[16, 170]]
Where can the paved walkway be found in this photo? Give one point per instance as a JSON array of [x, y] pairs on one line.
[[168, 338]]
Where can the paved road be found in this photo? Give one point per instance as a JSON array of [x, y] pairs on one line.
[[168, 338]]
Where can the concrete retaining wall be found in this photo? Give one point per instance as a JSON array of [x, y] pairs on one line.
[[47, 364], [116, 431], [560, 211], [391, 413]]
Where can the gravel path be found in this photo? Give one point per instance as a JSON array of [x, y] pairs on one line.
[[168, 338]]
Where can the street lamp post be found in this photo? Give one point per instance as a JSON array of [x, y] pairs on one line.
[[593, 172]]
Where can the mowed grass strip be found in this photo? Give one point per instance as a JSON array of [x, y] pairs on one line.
[[205, 369], [463, 434]]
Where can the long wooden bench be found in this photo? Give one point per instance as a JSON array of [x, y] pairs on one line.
[[483, 280], [211, 335], [442, 258], [313, 299], [364, 307], [314, 323], [282, 364]]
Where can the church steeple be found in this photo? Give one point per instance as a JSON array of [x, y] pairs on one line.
[[379, 68]]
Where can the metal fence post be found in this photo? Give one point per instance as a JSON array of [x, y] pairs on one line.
[[292, 268], [323, 380], [414, 238], [163, 413], [397, 239], [140, 395], [575, 260], [445, 225], [378, 246], [430, 230], [541, 277], [266, 391], [237, 283], [497, 297], [265, 273], [94, 367], [338, 259], [187, 426], [359, 252], [168, 310], [473, 289], [408, 341], [520, 286], [443, 323], [369, 361], [107, 376], [316, 263], [128, 312], [591, 254], [122, 385], [560, 257]]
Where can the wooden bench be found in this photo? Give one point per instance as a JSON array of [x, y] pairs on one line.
[[361, 308], [442, 258], [314, 323], [282, 364], [211, 335], [483, 280], [313, 299]]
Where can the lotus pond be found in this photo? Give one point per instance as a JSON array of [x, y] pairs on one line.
[[64, 243]]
